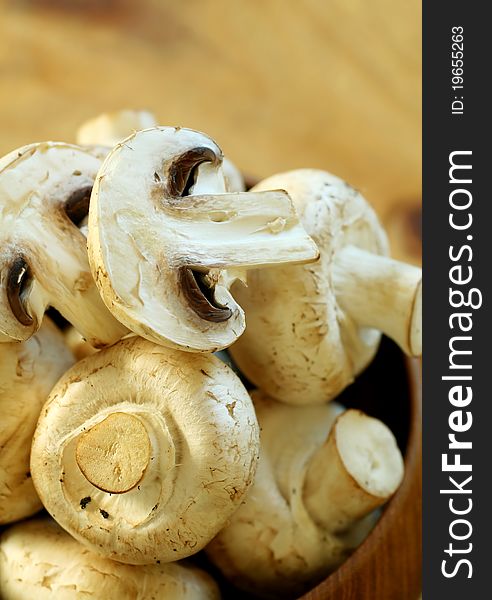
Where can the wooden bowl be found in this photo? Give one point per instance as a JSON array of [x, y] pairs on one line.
[[387, 566]]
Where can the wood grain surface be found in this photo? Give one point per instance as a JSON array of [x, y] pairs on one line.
[[280, 84]]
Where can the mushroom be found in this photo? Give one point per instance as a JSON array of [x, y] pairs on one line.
[[166, 241], [142, 453], [321, 472], [39, 560], [112, 128], [313, 328], [28, 371], [44, 193], [108, 129], [77, 344]]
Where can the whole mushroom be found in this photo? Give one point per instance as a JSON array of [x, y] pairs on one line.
[[166, 241], [112, 128], [312, 328], [39, 560], [142, 453], [28, 371], [77, 344], [44, 194], [321, 472]]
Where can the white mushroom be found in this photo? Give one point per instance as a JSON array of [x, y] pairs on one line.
[[142, 453], [313, 328], [108, 129], [77, 344], [39, 560], [44, 193], [166, 240], [28, 371], [321, 471], [111, 128]]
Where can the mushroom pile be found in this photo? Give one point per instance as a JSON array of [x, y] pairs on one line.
[[133, 421]]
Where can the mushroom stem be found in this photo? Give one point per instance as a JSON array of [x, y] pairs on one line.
[[241, 229], [381, 293], [114, 454], [356, 470]]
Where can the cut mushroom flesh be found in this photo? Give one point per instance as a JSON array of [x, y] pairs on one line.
[[144, 452], [166, 239], [312, 328], [44, 193]]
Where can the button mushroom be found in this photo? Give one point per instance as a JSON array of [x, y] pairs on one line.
[[44, 193], [39, 560], [313, 328], [166, 241], [142, 453], [77, 344], [321, 471], [109, 129], [28, 371]]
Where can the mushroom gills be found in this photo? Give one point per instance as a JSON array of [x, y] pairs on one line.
[[183, 171], [201, 298], [18, 285], [77, 205]]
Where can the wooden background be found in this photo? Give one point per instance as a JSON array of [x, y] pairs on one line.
[[279, 84]]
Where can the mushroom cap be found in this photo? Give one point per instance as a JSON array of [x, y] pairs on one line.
[[44, 191], [111, 128], [28, 371], [161, 257], [40, 560], [108, 129], [273, 546], [172, 437], [299, 345]]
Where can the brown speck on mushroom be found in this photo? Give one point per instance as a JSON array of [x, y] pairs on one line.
[[84, 502], [104, 513]]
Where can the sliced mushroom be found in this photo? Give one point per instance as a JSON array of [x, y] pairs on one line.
[[28, 371], [313, 328], [44, 192], [143, 452], [39, 560], [112, 128], [166, 240], [321, 472]]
